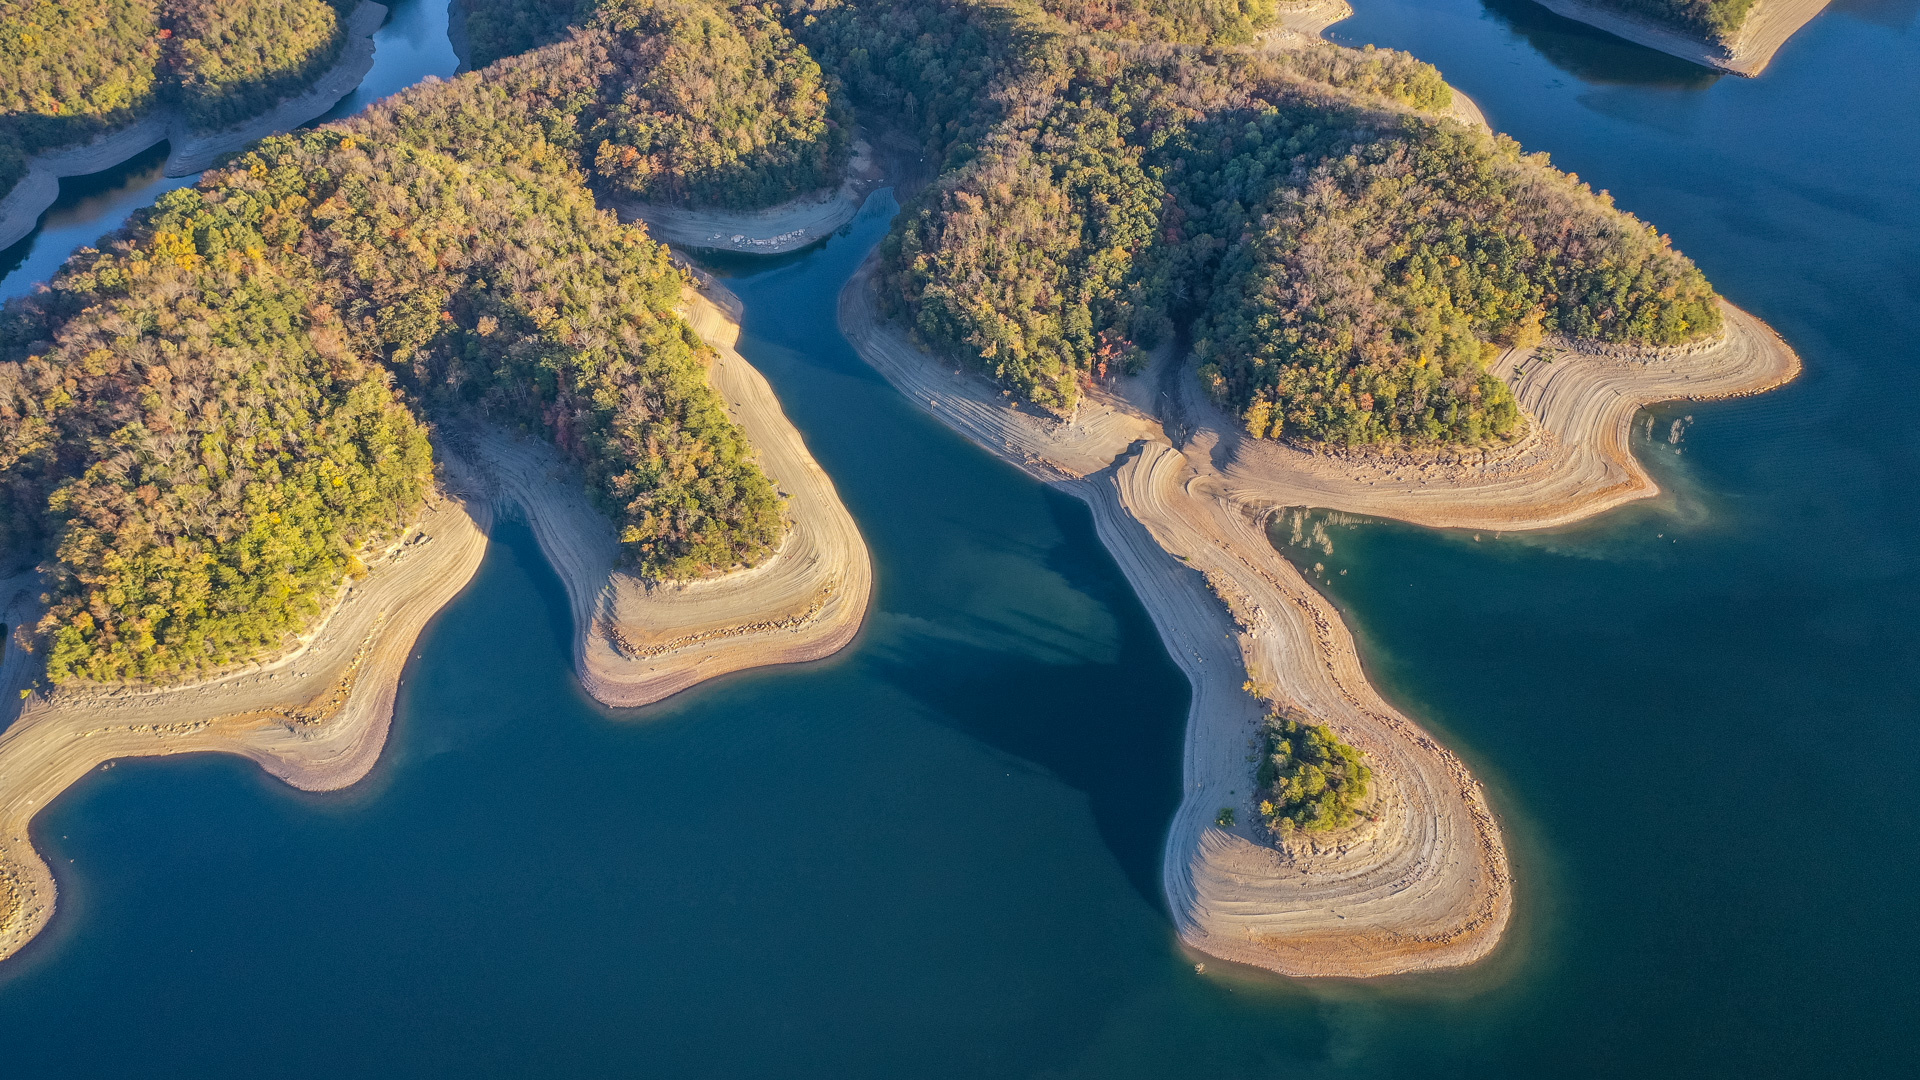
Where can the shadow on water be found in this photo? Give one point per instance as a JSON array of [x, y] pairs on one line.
[[1593, 55], [997, 608], [1111, 730], [88, 207], [1892, 14], [512, 534]]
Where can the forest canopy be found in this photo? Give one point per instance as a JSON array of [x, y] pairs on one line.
[[74, 69], [1345, 261], [213, 418], [1307, 779], [714, 105], [209, 420]]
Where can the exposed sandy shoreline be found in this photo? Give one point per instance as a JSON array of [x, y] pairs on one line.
[[1310, 17], [190, 151], [1182, 502], [316, 717], [1575, 462], [1767, 28], [774, 231], [1306, 24], [634, 643]]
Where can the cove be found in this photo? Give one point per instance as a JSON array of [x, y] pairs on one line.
[[933, 855]]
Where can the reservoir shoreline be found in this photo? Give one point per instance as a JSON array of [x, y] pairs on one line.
[[317, 715], [1768, 26], [190, 151], [1182, 499], [636, 642]]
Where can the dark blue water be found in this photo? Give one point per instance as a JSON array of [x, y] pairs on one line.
[[937, 853]]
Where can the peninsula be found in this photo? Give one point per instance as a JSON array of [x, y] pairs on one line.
[[1284, 310], [215, 435], [1737, 36]]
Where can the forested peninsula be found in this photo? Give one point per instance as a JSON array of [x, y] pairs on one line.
[[1195, 270], [1346, 271], [207, 421], [258, 432], [1189, 267]]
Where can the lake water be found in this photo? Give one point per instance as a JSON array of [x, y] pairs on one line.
[[936, 854]]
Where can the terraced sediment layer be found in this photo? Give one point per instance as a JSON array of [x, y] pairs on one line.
[[1182, 503], [1575, 461], [189, 151], [1768, 26], [316, 717], [776, 230], [635, 641]]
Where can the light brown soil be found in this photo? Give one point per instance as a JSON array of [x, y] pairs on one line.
[[1182, 502], [1768, 26]]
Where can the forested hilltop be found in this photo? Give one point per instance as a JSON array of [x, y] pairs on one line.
[[208, 422], [74, 69], [717, 106], [1346, 261]]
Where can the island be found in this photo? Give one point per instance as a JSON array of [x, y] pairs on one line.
[[253, 442], [1737, 36]]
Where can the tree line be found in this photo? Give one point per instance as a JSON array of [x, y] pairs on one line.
[[74, 69], [1346, 261], [210, 420], [1710, 20]]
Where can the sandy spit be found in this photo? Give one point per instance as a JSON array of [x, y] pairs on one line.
[[773, 231], [637, 642], [191, 151], [1575, 462], [1182, 503], [1306, 24], [316, 717], [1767, 28]]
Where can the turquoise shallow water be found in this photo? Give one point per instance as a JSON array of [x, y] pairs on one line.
[[937, 853]]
